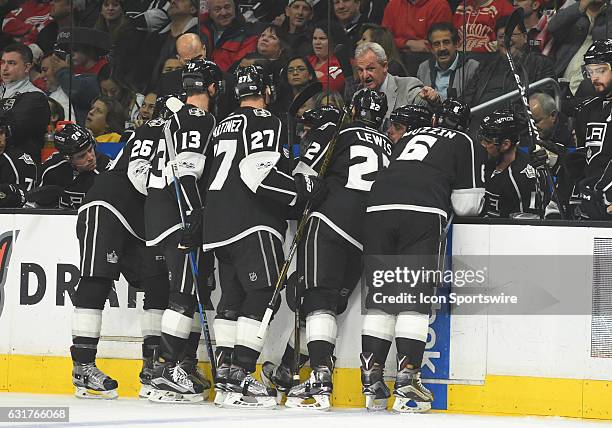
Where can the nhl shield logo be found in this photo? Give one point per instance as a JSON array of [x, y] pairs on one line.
[[253, 276]]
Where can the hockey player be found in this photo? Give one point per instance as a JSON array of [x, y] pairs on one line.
[[110, 228], [511, 181], [329, 256], [17, 171], [432, 171], [249, 190], [408, 117], [181, 155], [73, 168]]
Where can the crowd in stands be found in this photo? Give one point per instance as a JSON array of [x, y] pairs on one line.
[[102, 63]]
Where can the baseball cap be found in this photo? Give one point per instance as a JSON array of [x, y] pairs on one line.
[[308, 2]]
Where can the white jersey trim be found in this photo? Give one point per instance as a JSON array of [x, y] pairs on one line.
[[338, 230], [241, 235], [113, 210], [42, 177], [163, 235], [407, 207]]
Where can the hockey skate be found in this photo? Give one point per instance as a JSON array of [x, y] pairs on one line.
[[145, 377], [246, 392], [373, 384], [190, 366], [315, 393], [278, 377], [223, 359], [91, 382], [171, 384], [410, 394]]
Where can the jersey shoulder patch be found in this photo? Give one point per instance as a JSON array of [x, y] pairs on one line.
[[195, 111], [260, 112], [529, 172], [153, 123], [27, 159]]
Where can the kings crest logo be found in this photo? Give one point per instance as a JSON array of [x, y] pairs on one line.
[[8, 104], [6, 247], [595, 137], [529, 172]]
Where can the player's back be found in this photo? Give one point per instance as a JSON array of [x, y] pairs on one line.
[[232, 209], [426, 166]]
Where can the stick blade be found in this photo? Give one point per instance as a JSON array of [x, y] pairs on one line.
[[516, 19], [307, 93]]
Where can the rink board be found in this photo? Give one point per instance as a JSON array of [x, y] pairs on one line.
[[526, 364]]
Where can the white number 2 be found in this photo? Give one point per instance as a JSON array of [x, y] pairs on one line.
[[228, 149], [358, 170]]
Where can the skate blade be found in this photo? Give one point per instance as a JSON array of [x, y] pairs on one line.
[[374, 404], [219, 397], [316, 402], [409, 405], [240, 401], [145, 391], [160, 396], [87, 393]]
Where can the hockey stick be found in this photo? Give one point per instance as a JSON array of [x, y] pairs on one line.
[[516, 19], [297, 238], [192, 256]]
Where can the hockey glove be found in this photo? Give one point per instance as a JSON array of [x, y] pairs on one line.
[[310, 188], [11, 196], [190, 238], [538, 158], [591, 200]]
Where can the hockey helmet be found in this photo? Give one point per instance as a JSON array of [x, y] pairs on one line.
[[600, 52], [454, 115], [199, 74], [73, 139], [369, 106], [162, 110], [319, 116], [252, 80], [500, 125], [412, 116]]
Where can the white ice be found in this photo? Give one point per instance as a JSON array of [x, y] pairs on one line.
[[125, 412]]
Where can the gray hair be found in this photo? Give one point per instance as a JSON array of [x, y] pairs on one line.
[[376, 49], [547, 103]]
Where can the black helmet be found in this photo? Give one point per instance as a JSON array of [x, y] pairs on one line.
[[252, 80], [454, 115], [369, 106], [199, 74], [600, 52], [412, 116], [73, 139], [162, 110], [319, 116], [499, 125]]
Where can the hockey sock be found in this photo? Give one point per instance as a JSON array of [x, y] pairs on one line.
[[248, 345], [411, 336], [175, 330], [151, 330], [377, 334], [86, 324], [321, 332], [287, 359]]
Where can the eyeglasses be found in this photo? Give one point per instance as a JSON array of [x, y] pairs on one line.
[[594, 70], [292, 70]]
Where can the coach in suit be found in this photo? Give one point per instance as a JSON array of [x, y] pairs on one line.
[[371, 64]]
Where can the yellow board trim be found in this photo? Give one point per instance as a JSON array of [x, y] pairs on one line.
[[509, 395]]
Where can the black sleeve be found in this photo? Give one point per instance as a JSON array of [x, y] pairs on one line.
[[28, 120]]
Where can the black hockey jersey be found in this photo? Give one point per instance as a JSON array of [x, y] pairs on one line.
[[430, 170], [250, 185], [190, 130], [57, 170], [116, 189], [18, 167], [360, 153], [512, 190], [593, 117]]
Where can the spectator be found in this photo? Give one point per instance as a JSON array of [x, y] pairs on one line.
[[480, 17], [112, 86], [83, 14], [449, 70], [25, 22], [188, 46], [228, 37], [112, 20], [172, 64], [350, 17], [146, 109], [106, 120], [295, 26], [372, 70], [23, 105], [18, 171], [327, 66], [295, 77], [373, 10], [57, 113], [494, 78], [270, 44], [54, 89], [409, 21], [574, 29], [382, 36]]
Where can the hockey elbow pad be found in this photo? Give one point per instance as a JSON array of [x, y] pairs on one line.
[[187, 163], [138, 172], [255, 168], [468, 202]]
